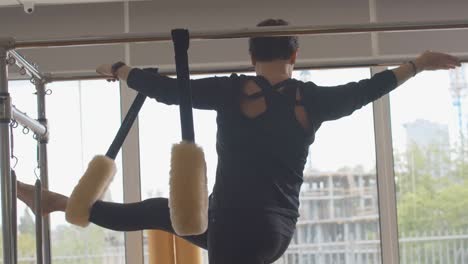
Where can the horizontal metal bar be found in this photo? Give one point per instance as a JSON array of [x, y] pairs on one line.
[[245, 33], [28, 122], [433, 237], [22, 62], [312, 64]]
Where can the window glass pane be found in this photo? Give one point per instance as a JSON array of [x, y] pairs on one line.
[[429, 129], [339, 220], [339, 213], [25, 150], [83, 116], [159, 130]]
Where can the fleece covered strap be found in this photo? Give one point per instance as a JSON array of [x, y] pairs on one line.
[[188, 197], [89, 189], [100, 172]]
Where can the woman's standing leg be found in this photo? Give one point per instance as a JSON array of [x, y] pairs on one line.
[[241, 239]]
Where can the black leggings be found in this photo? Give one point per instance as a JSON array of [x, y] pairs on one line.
[[229, 238]]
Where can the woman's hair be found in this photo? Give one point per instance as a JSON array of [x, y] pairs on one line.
[[273, 48]]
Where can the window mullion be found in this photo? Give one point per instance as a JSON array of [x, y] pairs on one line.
[[131, 176], [385, 178]]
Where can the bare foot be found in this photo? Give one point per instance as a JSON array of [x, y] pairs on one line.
[[51, 201]]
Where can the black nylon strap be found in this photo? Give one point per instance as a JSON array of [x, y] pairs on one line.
[[253, 96], [126, 126], [181, 39], [299, 90]]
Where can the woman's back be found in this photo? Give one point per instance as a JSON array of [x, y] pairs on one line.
[[263, 140]]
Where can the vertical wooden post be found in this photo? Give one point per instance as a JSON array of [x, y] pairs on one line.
[[187, 253], [161, 247]]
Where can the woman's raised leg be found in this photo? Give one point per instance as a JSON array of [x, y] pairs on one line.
[[149, 214]]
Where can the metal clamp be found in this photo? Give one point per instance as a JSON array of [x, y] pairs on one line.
[[44, 138], [5, 108], [7, 43]]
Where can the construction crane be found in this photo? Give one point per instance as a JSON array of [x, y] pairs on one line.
[[458, 90]]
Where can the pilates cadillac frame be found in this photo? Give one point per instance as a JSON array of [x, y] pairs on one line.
[[8, 57], [9, 112]]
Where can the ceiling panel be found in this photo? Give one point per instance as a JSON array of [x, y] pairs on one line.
[[420, 10], [8, 2]]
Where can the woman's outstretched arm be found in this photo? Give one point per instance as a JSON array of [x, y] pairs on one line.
[[427, 61], [207, 93], [333, 102]]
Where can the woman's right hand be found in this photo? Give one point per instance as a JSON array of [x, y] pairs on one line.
[[431, 60], [106, 70]]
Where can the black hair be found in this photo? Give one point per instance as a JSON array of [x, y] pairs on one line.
[[273, 48]]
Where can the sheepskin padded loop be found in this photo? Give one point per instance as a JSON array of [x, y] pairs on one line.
[[188, 196], [90, 188]]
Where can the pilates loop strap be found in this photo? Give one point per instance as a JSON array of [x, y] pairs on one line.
[[126, 126], [181, 39]]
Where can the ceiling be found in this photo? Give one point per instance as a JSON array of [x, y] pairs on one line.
[[56, 2]]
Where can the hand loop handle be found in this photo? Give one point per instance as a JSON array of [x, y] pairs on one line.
[[181, 39]]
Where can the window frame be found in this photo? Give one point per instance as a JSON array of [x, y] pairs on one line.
[[385, 176]]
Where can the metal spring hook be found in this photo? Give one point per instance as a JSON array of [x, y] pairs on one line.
[[12, 145], [14, 124], [37, 172], [22, 71], [16, 160], [11, 60]]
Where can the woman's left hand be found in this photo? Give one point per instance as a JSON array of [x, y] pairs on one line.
[[431, 60]]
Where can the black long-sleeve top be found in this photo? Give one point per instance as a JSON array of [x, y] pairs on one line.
[[261, 160]]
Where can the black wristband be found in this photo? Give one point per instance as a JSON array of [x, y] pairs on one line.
[[115, 67], [415, 70]]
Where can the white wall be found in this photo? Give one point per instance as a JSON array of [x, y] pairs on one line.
[[151, 16]]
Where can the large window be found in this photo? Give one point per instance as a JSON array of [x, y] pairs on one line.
[[83, 117], [339, 213], [339, 220], [430, 129]]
